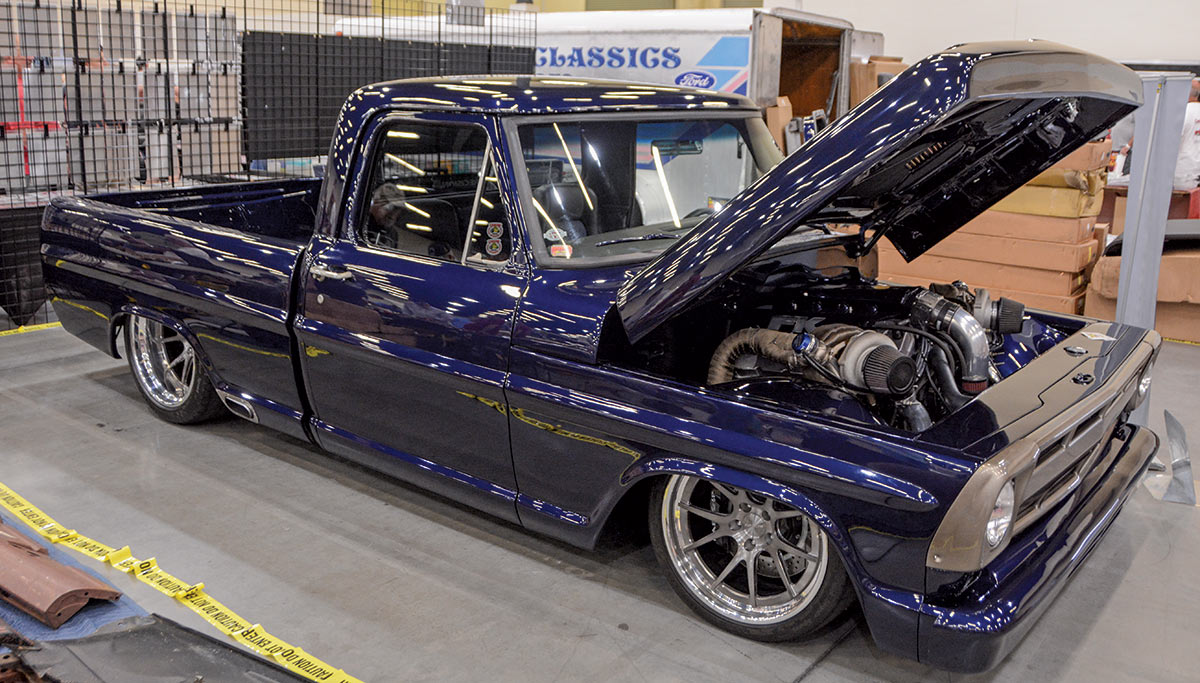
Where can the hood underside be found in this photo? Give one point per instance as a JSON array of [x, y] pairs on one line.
[[935, 147]]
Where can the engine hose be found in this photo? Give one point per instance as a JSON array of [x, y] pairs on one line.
[[771, 344], [915, 414], [945, 379]]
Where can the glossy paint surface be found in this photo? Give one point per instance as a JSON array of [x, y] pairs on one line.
[[227, 291], [917, 159], [487, 384]]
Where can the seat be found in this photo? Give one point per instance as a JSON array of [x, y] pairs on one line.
[[417, 225], [568, 209]]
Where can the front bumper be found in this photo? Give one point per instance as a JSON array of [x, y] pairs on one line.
[[976, 635]]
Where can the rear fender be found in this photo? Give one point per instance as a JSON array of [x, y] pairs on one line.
[[121, 319]]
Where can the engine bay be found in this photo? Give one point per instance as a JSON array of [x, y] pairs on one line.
[[900, 356]]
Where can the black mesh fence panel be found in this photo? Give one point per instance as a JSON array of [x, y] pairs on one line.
[[117, 95]]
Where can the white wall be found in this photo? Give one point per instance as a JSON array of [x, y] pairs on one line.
[[1124, 30]]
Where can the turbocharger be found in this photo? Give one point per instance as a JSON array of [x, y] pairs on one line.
[[862, 359]]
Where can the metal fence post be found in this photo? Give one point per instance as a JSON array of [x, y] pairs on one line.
[[1156, 137]]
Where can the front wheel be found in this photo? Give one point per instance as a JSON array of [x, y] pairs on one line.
[[168, 373], [749, 564]]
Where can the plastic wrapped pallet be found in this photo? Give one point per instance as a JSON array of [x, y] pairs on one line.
[[158, 154], [122, 144], [85, 105], [157, 97], [120, 95], [12, 162], [43, 96], [154, 34], [89, 158], [226, 153], [7, 47], [193, 96], [47, 158], [84, 44], [39, 30], [190, 40], [222, 38], [195, 146], [119, 35], [223, 93]]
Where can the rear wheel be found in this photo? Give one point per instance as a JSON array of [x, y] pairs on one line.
[[749, 564], [168, 373]]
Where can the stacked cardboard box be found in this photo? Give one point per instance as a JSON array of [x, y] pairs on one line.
[[1177, 315], [1038, 245]]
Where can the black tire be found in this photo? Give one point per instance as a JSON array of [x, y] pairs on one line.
[[202, 402], [833, 595]]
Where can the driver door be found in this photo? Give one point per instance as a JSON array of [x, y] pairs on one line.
[[406, 317]]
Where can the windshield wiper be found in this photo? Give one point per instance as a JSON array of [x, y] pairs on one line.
[[639, 238]]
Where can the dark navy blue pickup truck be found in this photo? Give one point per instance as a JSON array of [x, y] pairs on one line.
[[579, 304]]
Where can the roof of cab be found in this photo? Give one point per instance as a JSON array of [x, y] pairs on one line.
[[540, 95]]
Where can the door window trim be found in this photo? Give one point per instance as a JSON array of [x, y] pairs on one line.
[[359, 188]]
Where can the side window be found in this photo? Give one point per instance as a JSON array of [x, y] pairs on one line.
[[422, 188]]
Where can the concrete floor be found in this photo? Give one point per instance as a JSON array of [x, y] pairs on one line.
[[393, 584]]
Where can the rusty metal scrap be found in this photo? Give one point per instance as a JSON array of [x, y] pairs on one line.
[[37, 584]]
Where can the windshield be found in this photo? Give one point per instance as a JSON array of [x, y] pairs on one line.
[[610, 189]]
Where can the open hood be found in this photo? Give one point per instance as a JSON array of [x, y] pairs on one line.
[[925, 154]]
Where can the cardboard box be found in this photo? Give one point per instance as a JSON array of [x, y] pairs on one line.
[[835, 257], [1063, 202], [1089, 157], [1120, 204], [983, 274], [1177, 321], [778, 118], [1177, 314], [1091, 182], [1180, 207], [1073, 303], [1101, 233], [1030, 227], [867, 78], [1017, 252]]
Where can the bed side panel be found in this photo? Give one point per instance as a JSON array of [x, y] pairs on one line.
[[228, 291]]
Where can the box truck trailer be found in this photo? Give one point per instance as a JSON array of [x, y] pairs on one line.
[[762, 54]]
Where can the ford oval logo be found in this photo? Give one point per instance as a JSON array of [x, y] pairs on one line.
[[695, 79]]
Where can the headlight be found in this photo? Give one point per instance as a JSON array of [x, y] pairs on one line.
[[1002, 515]]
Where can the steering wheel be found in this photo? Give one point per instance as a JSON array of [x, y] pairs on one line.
[[702, 211]]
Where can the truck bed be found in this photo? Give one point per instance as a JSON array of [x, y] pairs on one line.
[[283, 209], [216, 262]]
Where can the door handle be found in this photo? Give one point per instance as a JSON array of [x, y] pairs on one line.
[[321, 272]]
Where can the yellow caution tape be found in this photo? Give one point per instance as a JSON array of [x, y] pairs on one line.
[[192, 596], [29, 328]]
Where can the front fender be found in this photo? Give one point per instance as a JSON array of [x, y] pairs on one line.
[[640, 471], [891, 609]]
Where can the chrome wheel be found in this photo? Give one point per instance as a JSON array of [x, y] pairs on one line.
[[163, 362], [749, 558]]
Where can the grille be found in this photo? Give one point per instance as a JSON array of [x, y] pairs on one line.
[[1073, 454]]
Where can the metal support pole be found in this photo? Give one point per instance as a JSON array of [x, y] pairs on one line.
[[1157, 132]]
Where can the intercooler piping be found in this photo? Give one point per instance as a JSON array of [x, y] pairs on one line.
[[944, 376], [936, 312]]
